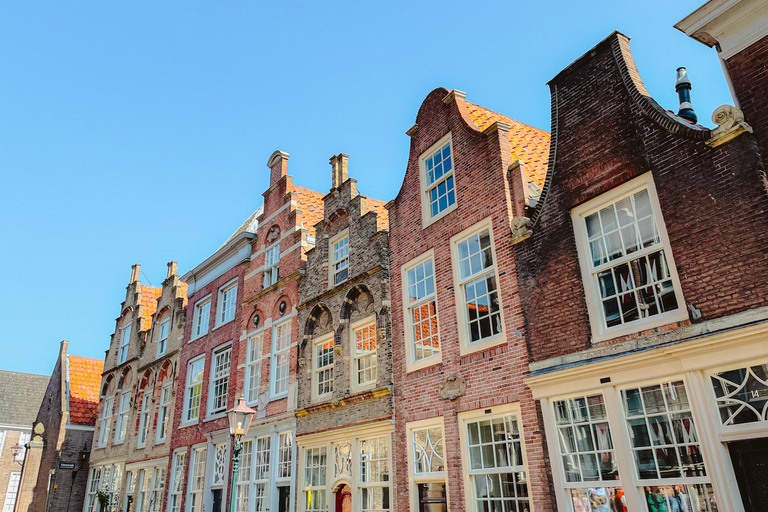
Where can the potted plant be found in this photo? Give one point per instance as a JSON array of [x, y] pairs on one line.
[[104, 497]]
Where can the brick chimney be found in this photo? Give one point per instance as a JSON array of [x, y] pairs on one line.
[[278, 166], [135, 273], [339, 166]]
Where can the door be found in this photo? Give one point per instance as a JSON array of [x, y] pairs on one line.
[[217, 500], [344, 499], [750, 463], [283, 499]]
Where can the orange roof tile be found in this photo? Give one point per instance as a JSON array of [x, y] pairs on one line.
[[527, 143], [382, 215], [310, 202], [84, 382]]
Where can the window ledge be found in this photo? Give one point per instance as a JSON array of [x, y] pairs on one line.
[[479, 346], [428, 221], [273, 398], [189, 423], [159, 441], [216, 416], [640, 327], [424, 363]]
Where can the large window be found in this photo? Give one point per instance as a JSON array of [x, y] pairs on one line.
[[315, 499], [162, 335], [152, 483], [426, 455], [374, 475], [227, 303], [421, 311], [146, 403], [365, 371], [106, 421], [285, 455], [122, 417], [497, 474], [125, 339], [627, 266], [261, 472], [164, 413], [177, 482], [244, 477], [437, 179], [322, 377], [339, 259], [253, 368], [281, 344], [222, 360], [107, 479], [11, 491], [197, 480], [202, 317], [480, 308], [194, 389], [272, 265]]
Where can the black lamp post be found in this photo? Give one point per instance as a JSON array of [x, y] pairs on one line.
[[240, 418]]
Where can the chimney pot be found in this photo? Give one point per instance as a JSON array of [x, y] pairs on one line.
[[683, 88]]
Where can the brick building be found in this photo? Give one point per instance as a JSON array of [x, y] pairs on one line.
[[209, 377], [20, 398], [466, 426], [56, 467], [132, 441], [643, 276], [345, 418]]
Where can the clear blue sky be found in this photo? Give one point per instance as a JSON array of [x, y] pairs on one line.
[[138, 132]]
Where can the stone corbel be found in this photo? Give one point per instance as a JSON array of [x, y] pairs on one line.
[[521, 229], [453, 387], [730, 124], [302, 363]]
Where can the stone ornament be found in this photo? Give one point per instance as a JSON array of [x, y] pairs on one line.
[[453, 387], [302, 363], [521, 228], [730, 124], [273, 233], [382, 334], [337, 350]]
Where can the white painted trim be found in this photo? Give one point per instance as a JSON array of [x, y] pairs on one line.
[[353, 357], [435, 476], [332, 262], [152, 463], [320, 340], [426, 217], [410, 364], [69, 426], [196, 307]]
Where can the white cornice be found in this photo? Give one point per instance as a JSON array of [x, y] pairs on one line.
[[234, 252]]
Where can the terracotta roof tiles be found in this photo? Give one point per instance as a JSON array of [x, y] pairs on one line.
[[382, 215], [84, 382], [310, 202]]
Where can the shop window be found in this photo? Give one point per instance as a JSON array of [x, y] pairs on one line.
[[427, 467], [197, 481], [177, 482]]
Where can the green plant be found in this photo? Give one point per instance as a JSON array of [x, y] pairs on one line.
[[104, 497]]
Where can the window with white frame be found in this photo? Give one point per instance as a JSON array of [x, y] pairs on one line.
[[122, 417], [374, 475], [421, 311], [177, 482], [106, 421], [158, 487], [480, 310], [163, 328], [125, 339], [285, 455], [197, 480], [261, 474], [146, 479], [11, 491], [227, 303], [272, 265], [741, 394], [94, 486], [627, 267], [437, 180], [202, 317], [322, 377], [495, 465], [339, 252], [146, 403], [244, 477], [427, 456], [365, 371], [2, 440], [222, 360], [131, 478], [24, 438], [253, 367], [107, 479], [194, 389], [281, 344], [315, 499], [164, 413]]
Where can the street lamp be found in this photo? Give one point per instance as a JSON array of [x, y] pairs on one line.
[[16, 450], [240, 418]]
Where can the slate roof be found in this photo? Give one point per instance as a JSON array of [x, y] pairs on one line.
[[250, 225], [84, 382], [20, 397]]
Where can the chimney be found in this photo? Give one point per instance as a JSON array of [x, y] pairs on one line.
[[339, 168], [135, 273], [278, 166], [171, 269], [683, 88]]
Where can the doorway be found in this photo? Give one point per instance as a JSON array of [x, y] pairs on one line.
[[217, 500], [750, 463], [283, 499], [344, 499]]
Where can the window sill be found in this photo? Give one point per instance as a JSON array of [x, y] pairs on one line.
[[361, 388], [273, 398], [118, 443], [428, 221], [424, 363], [189, 423], [479, 346], [159, 441], [639, 327], [216, 416]]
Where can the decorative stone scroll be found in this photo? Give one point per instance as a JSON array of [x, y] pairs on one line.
[[730, 124], [521, 229]]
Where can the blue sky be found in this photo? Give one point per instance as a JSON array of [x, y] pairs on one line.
[[138, 132]]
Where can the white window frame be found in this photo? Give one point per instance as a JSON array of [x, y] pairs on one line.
[[466, 345], [317, 370], [359, 356], [277, 354], [253, 367], [201, 320], [24, 438], [285, 444], [426, 212], [106, 421], [187, 417], [197, 470], [221, 375], [600, 332], [416, 478], [468, 417], [437, 357], [272, 264], [163, 331], [261, 472], [372, 484], [121, 424], [333, 261], [226, 305], [176, 483], [144, 416], [320, 452], [125, 343], [12, 491], [164, 413]]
